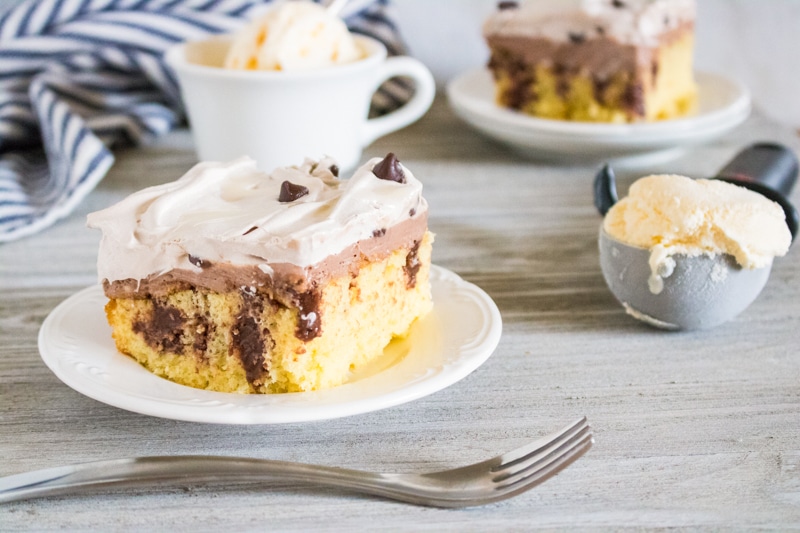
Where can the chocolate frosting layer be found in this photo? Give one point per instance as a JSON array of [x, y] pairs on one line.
[[284, 281], [597, 53]]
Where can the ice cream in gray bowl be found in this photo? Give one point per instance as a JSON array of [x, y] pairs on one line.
[[682, 253]]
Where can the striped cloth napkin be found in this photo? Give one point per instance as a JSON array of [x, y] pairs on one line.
[[81, 77]]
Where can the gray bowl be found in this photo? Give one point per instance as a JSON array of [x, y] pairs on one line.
[[698, 293]]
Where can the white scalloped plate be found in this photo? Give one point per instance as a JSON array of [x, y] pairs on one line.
[[456, 338], [723, 104]]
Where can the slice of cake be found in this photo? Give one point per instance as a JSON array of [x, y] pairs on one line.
[[594, 60], [235, 280]]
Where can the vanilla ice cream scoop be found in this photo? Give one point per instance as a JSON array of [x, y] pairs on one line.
[[293, 35], [670, 214], [680, 253]]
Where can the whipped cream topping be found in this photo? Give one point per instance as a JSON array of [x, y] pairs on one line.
[[293, 36], [635, 22], [230, 212]]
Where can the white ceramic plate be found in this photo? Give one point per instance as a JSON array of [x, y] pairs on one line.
[[457, 337], [722, 105]]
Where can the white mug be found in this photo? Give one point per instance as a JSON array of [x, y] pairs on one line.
[[281, 118]]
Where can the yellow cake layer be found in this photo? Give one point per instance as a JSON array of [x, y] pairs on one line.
[[674, 93], [360, 316], [669, 91]]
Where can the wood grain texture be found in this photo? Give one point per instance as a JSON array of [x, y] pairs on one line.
[[697, 430]]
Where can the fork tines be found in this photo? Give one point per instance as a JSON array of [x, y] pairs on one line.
[[541, 459]]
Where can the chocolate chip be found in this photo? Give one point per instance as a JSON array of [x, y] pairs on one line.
[[577, 38], [389, 169], [291, 192], [334, 170], [619, 4], [412, 212], [600, 30], [507, 5], [199, 263], [379, 232]]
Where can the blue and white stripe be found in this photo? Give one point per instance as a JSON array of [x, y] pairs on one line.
[[80, 77]]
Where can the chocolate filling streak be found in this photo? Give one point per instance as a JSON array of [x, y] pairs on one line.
[[169, 330], [309, 320], [249, 346], [202, 332], [167, 327], [412, 265], [522, 78], [250, 340], [164, 331]]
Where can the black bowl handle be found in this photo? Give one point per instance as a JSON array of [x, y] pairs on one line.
[[605, 189], [769, 169]]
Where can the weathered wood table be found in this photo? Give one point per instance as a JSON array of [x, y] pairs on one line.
[[693, 430]]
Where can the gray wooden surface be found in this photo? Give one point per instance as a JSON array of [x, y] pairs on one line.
[[693, 430]]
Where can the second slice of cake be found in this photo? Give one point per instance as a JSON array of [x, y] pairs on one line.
[[594, 60], [235, 280]]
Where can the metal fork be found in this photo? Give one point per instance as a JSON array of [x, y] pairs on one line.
[[492, 480]]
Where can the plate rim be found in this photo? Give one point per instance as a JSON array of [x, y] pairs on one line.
[[473, 356], [481, 112]]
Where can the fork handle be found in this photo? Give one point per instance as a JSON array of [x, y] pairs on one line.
[[177, 470]]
